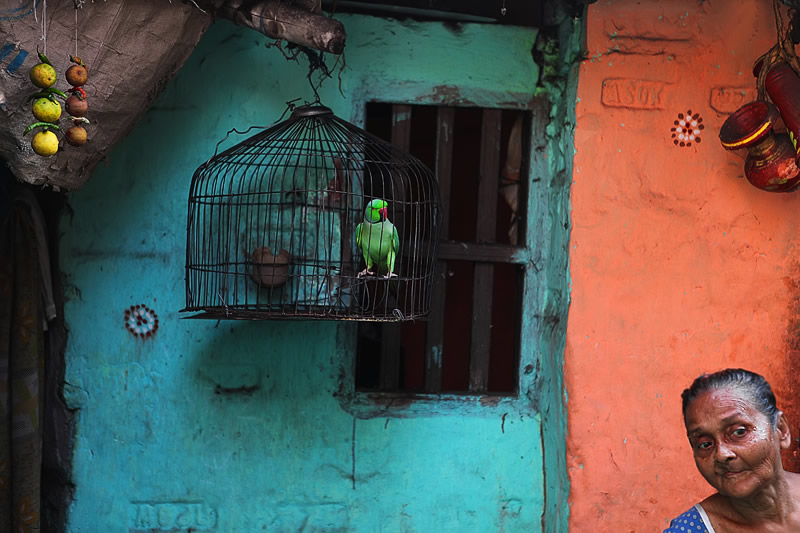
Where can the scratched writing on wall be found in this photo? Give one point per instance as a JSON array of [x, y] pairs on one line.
[[172, 516], [633, 93]]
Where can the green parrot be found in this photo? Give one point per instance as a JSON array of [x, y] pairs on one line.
[[378, 240]]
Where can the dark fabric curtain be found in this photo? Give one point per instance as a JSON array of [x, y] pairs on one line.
[[23, 319]]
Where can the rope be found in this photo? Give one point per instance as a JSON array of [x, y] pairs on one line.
[[44, 26], [781, 52], [78, 5]]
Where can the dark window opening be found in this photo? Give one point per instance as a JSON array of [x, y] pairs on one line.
[[470, 342]]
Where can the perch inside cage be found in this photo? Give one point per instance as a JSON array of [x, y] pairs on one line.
[[312, 218]]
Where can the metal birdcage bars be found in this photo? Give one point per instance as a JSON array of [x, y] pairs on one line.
[[272, 224]]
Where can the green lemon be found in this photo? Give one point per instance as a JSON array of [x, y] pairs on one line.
[[45, 143], [43, 75], [46, 110]]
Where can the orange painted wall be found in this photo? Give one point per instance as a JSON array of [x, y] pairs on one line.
[[679, 266]]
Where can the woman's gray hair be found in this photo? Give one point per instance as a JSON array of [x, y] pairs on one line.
[[751, 383]]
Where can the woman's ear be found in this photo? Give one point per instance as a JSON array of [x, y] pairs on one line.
[[785, 435]]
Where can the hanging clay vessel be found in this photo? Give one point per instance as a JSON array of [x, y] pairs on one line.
[[783, 87], [770, 164]]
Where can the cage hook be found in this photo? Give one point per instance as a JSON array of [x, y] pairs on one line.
[[289, 109]]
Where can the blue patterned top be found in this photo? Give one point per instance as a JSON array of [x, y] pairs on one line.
[[695, 520]]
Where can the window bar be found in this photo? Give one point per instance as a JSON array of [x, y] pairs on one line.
[[390, 338], [435, 327], [484, 232]]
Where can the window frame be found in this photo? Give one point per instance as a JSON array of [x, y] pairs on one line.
[[486, 66], [529, 253]]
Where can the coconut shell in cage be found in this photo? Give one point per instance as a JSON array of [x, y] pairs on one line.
[[269, 270]]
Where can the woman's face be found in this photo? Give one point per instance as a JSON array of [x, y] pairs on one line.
[[735, 448]]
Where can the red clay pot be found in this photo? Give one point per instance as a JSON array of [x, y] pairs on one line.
[[770, 164], [783, 87]]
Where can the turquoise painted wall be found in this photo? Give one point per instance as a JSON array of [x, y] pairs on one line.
[[242, 426]]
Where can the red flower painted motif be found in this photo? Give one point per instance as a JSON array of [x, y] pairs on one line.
[[141, 321], [687, 128]]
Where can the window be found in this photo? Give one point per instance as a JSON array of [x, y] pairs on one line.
[[470, 342]]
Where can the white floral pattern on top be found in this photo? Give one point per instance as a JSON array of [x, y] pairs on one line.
[[695, 520]]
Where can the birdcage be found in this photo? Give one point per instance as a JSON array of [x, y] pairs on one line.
[[313, 218]]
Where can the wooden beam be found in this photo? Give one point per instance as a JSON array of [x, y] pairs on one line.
[[391, 347], [390, 357], [517, 12], [434, 339], [281, 20], [486, 226], [401, 126], [489, 176]]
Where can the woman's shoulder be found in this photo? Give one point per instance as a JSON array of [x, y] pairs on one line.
[[690, 521]]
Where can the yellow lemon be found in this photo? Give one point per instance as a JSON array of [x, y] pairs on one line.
[[43, 75], [45, 143], [46, 110]]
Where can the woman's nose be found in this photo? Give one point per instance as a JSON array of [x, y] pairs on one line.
[[724, 453]]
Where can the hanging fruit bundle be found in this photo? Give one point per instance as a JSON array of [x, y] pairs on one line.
[[76, 105], [47, 110]]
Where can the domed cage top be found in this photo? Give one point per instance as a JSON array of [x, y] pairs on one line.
[[282, 225]]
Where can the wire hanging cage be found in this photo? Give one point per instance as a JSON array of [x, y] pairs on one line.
[[282, 225]]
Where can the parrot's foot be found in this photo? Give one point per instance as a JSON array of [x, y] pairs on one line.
[[365, 272], [391, 275]]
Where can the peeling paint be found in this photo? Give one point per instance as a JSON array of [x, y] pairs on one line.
[[397, 118], [449, 95], [789, 401], [436, 356]]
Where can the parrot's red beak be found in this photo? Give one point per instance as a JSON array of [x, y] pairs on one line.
[[384, 213]]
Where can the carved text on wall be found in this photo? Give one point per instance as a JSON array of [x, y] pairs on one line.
[[729, 99], [172, 516], [633, 93]]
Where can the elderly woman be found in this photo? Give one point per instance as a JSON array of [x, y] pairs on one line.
[[736, 432]]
